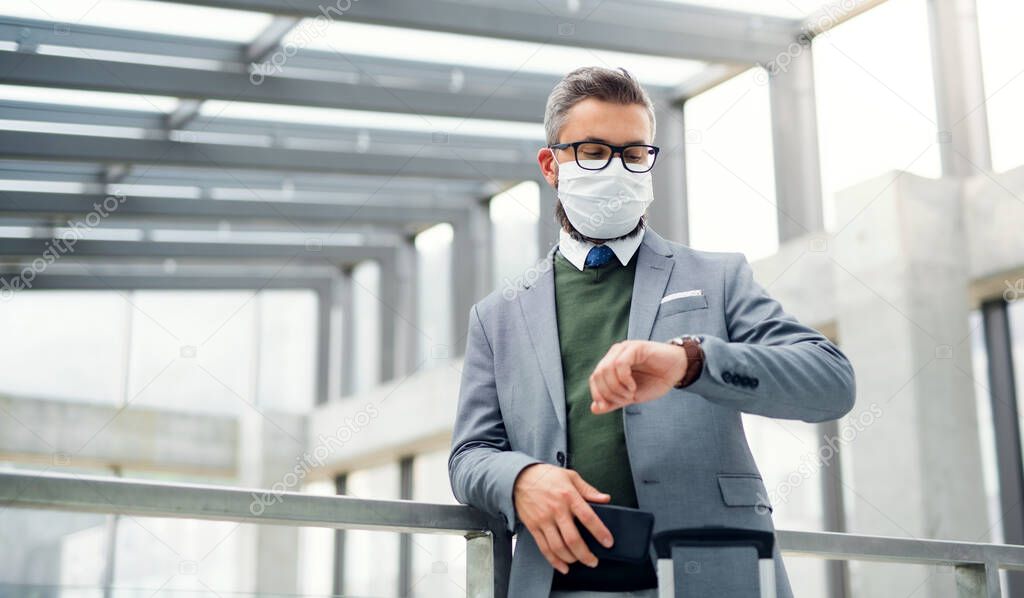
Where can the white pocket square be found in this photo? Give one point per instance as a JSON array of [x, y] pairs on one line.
[[682, 294]]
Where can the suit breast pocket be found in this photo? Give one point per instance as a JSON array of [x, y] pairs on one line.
[[682, 304], [744, 490]]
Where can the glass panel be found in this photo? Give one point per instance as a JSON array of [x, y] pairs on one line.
[[434, 275], [316, 550], [1002, 61], [193, 351], [438, 560], [729, 168], [371, 558], [875, 99], [50, 553], [986, 430], [792, 466], [514, 216], [80, 334], [189, 351], [288, 327]]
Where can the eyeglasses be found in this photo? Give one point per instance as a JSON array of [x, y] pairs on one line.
[[595, 155]]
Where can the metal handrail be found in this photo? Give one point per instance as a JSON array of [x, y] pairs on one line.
[[976, 565], [487, 561]]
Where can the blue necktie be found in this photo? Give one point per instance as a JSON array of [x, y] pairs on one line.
[[598, 256]]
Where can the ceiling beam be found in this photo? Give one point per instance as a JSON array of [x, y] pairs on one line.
[[125, 77], [287, 252], [154, 274], [438, 161], [75, 204], [635, 26], [219, 183], [94, 41], [166, 282], [365, 139]]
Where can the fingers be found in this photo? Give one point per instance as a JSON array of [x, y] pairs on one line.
[[545, 549], [554, 527], [557, 547], [593, 523], [588, 492], [574, 541], [612, 384]]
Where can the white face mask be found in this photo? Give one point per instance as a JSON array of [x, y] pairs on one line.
[[603, 204]]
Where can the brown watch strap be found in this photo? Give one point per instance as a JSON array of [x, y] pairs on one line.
[[694, 362]]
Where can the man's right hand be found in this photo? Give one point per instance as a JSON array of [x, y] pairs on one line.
[[546, 499]]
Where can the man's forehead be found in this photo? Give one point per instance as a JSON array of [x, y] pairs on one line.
[[597, 120]]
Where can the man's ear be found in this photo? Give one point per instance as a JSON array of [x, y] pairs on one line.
[[548, 166]]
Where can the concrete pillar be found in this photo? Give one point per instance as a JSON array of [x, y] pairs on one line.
[[342, 347], [795, 147], [912, 439], [472, 267], [399, 343], [668, 213], [324, 308], [269, 443], [959, 87]]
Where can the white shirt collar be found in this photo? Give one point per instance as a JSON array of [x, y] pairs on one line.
[[576, 251]]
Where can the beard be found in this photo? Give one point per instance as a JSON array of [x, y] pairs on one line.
[[563, 219]]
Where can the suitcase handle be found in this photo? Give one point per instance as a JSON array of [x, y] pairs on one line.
[[763, 541]]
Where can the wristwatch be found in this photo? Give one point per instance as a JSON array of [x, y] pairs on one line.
[[691, 343]]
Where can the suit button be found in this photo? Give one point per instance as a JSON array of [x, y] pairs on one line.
[[754, 383], [560, 457], [727, 376], [745, 381]]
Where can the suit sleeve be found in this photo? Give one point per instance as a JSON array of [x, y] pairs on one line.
[[772, 365], [482, 467]]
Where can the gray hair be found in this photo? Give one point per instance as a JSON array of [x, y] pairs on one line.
[[610, 85]]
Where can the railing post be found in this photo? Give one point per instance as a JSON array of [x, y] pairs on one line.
[[480, 565], [977, 581], [488, 562]]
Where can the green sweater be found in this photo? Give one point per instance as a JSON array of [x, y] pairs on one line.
[[592, 308]]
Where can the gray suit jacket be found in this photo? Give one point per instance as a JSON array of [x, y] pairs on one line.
[[690, 460]]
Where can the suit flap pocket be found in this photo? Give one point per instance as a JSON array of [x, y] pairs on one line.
[[681, 304], [743, 490]]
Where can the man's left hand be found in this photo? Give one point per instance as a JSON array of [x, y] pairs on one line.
[[634, 371]]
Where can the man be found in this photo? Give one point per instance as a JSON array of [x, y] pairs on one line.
[[618, 371]]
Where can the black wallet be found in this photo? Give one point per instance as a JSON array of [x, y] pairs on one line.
[[631, 533]]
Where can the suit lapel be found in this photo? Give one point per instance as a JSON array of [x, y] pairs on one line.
[[538, 304], [653, 268]]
